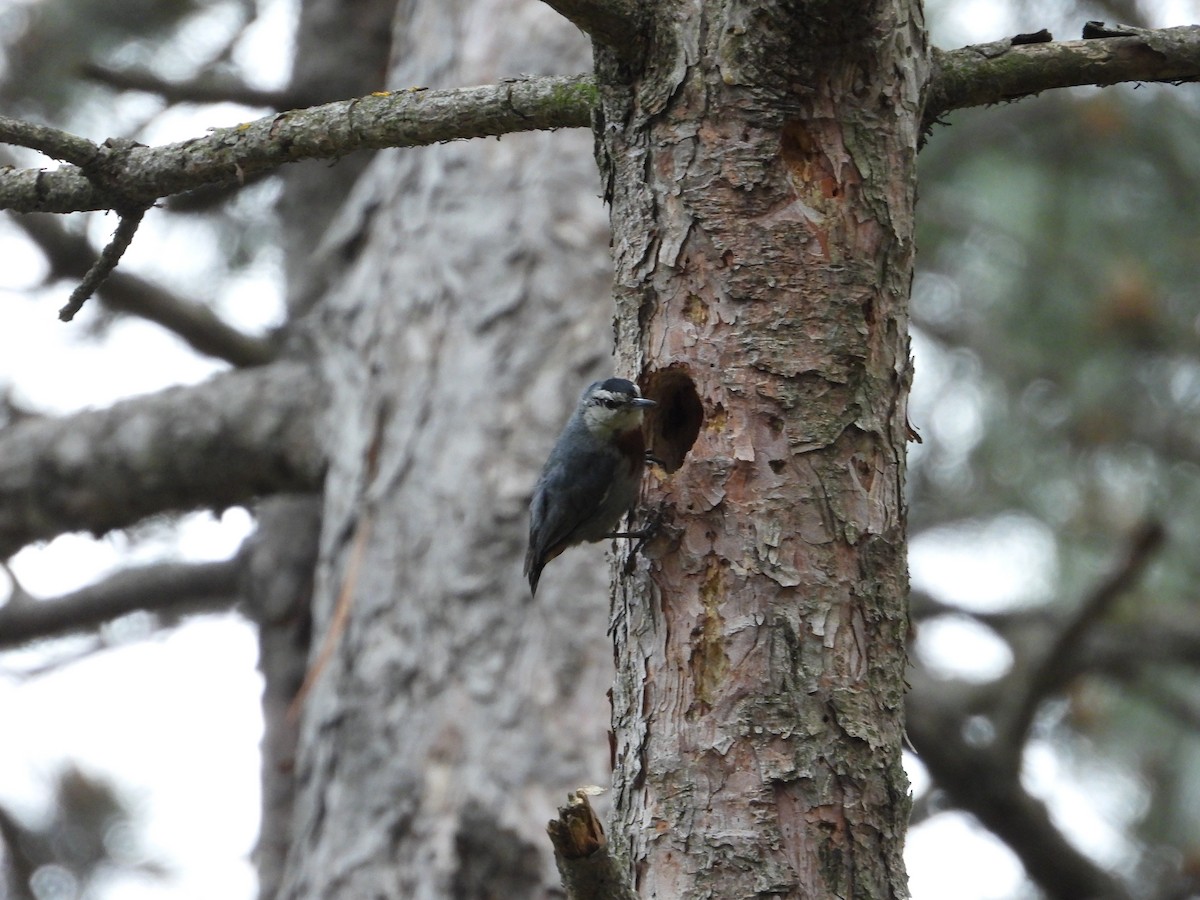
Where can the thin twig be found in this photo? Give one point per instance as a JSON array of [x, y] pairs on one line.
[[102, 267]]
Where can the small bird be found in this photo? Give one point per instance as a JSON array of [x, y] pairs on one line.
[[592, 476]]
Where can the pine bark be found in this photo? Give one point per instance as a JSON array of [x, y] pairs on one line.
[[469, 305], [339, 53], [760, 167]]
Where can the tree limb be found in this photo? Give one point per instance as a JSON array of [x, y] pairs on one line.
[[613, 23], [1125, 649], [280, 562], [977, 781], [202, 329], [227, 155], [236, 437], [52, 142], [203, 89], [983, 74], [1056, 664], [970, 76], [19, 864], [170, 587]]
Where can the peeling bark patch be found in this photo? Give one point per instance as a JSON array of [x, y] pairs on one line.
[[708, 663], [784, 666], [695, 311], [718, 419], [776, 553], [809, 170]]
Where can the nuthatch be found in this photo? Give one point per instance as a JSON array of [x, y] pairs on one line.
[[592, 476]]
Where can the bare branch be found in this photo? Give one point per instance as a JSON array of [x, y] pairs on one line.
[[588, 871], [613, 23], [1000, 71], [1128, 649], [53, 142], [1058, 663], [100, 270], [238, 436], [171, 587], [227, 155], [204, 89], [202, 329], [970, 76], [975, 779]]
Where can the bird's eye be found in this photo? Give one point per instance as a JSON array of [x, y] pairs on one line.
[[611, 402]]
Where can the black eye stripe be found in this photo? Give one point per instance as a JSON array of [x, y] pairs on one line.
[[608, 402]]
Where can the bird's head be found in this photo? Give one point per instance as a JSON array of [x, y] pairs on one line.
[[612, 407]]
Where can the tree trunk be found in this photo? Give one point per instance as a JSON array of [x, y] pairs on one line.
[[761, 173], [339, 53], [454, 712]]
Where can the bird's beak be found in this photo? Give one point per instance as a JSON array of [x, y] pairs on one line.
[[641, 402]]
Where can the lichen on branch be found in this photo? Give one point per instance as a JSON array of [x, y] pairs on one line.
[[405, 118]]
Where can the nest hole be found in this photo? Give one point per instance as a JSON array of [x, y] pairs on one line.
[[674, 424]]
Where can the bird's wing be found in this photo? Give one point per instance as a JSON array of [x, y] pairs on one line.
[[576, 498]]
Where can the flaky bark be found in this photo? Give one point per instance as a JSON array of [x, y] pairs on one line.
[[340, 51], [762, 200], [762, 189], [453, 713]]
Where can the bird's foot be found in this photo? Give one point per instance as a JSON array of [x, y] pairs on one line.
[[643, 535]]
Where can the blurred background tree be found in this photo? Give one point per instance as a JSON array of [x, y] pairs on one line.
[[160, 690], [1055, 501], [1056, 325]]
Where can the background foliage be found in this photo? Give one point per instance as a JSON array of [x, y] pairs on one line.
[[1056, 323]]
